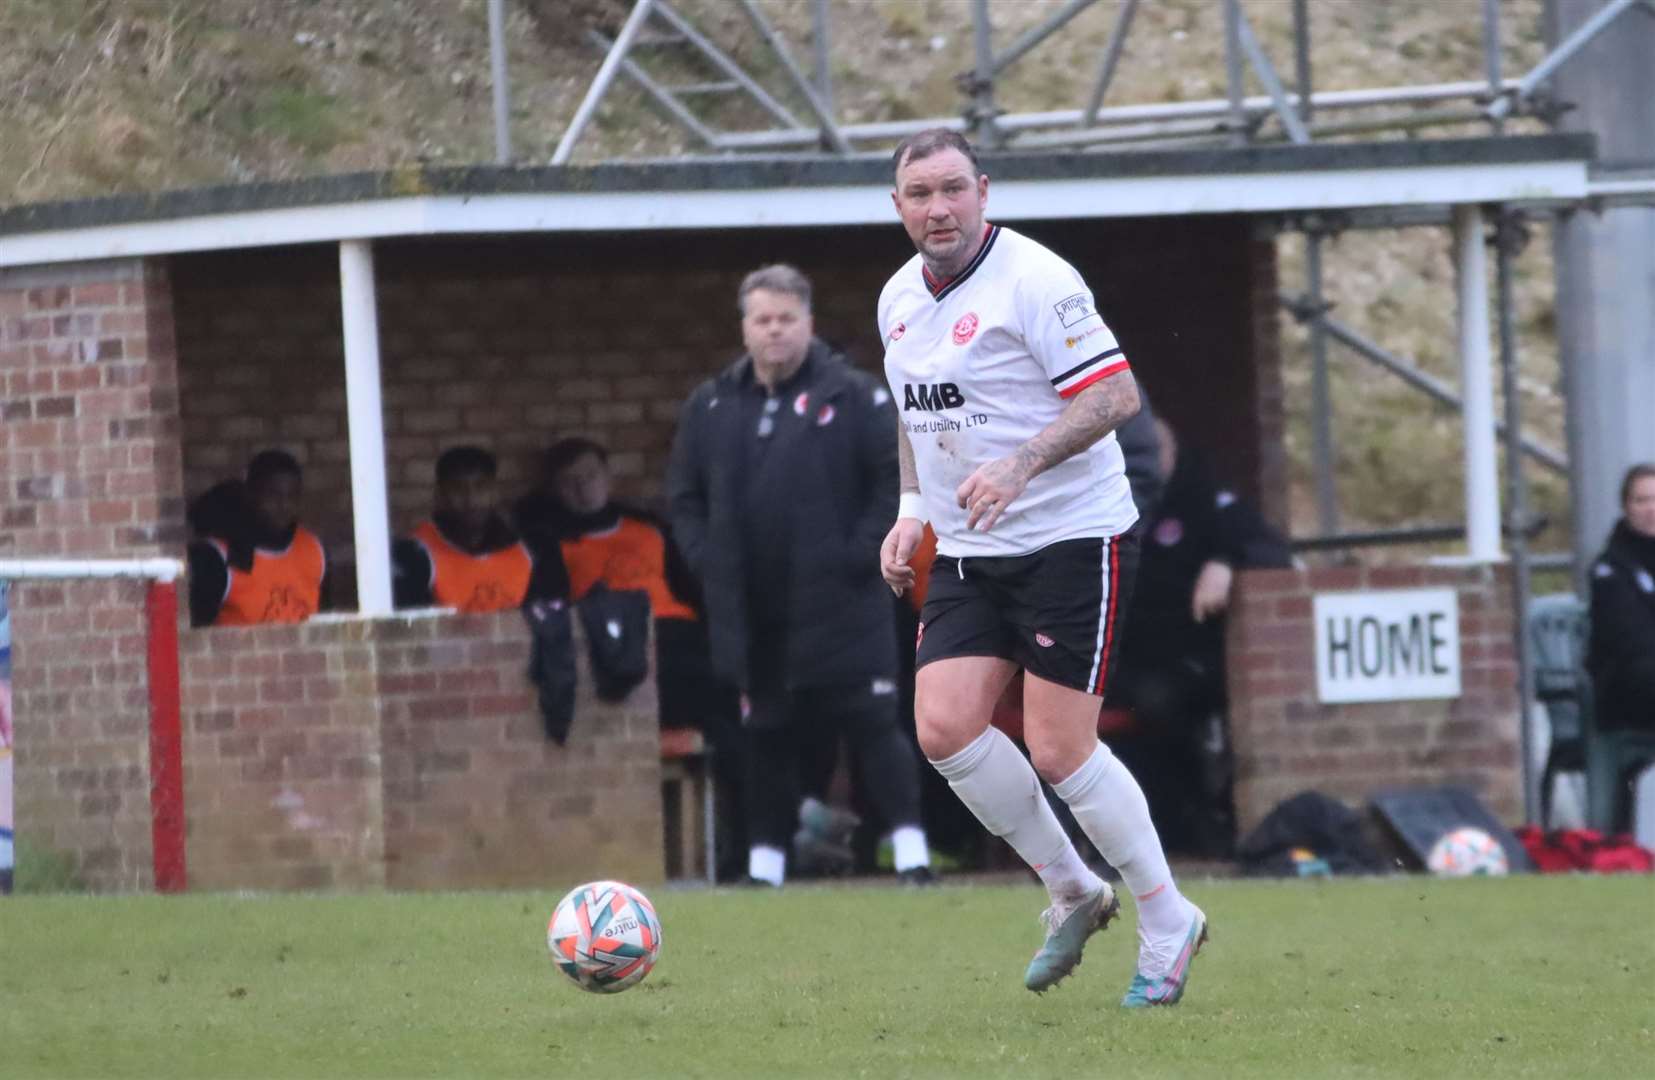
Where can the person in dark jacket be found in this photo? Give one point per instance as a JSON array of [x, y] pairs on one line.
[[782, 482], [1140, 443], [1621, 650], [1172, 660]]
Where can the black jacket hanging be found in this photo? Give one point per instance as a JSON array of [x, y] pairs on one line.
[[552, 664], [617, 639]]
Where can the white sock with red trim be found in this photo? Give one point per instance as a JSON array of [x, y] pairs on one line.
[[1110, 806], [993, 778]]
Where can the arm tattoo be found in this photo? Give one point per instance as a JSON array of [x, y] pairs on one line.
[[905, 460], [1094, 413]]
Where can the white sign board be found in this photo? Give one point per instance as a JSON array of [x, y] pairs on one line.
[[1387, 646]]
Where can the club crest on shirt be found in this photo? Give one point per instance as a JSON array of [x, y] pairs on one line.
[[800, 404], [896, 334], [966, 328], [825, 417]]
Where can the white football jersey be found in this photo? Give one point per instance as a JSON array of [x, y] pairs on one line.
[[979, 365]]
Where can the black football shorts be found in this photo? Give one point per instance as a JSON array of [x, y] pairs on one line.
[[1057, 612]]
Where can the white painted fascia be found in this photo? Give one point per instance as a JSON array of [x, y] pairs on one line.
[[1011, 200]]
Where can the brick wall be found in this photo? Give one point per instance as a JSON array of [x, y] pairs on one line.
[[406, 753], [282, 784], [1286, 742], [515, 343], [89, 467]]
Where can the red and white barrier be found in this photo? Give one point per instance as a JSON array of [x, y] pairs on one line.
[[166, 752]]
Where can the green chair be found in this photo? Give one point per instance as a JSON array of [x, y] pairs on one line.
[[1557, 648], [1557, 635]]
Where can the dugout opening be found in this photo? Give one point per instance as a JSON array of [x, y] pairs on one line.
[[515, 342]]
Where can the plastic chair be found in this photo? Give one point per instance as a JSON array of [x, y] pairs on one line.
[[1557, 645], [1558, 626]]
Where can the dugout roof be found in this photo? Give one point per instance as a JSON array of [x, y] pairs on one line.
[[747, 193]]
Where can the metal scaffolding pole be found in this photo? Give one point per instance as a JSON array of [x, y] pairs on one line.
[[1301, 57], [1266, 72], [1215, 108], [981, 112], [502, 92], [1034, 35], [820, 40], [1482, 481], [719, 59], [1494, 97], [1321, 397], [1491, 59], [1506, 237], [658, 93], [1426, 383], [1239, 125], [600, 84], [830, 132], [1559, 56], [1111, 60]]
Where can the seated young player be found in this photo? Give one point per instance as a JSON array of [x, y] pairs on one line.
[[467, 557], [253, 562], [604, 542]]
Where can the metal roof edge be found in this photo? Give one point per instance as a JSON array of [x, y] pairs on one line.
[[413, 182]]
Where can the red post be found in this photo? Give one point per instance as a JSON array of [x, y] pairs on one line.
[[166, 749]]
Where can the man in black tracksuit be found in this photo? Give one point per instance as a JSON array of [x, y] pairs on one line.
[[1620, 653], [1172, 659], [782, 483]]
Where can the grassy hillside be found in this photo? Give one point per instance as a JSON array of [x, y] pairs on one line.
[[129, 95]]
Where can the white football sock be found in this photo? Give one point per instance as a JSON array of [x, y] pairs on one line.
[[1068, 879], [908, 848], [1110, 806], [766, 863], [997, 783]]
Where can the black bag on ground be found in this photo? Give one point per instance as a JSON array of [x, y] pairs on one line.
[[1313, 822]]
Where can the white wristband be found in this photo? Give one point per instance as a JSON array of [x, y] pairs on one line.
[[911, 505]]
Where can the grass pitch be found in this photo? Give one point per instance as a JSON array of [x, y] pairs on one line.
[[1396, 977]]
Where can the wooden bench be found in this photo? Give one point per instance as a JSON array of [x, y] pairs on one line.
[[687, 803]]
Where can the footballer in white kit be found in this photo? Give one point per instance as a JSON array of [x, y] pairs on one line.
[[979, 365], [1010, 388]]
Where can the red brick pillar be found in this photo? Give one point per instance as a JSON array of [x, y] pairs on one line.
[[89, 467], [1287, 741]]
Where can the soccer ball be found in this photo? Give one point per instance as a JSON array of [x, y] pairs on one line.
[[605, 936], [1467, 852]]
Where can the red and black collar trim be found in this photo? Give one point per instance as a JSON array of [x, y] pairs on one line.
[[940, 289]]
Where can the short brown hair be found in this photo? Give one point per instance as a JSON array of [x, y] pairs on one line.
[[1637, 472], [922, 144], [780, 278]]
